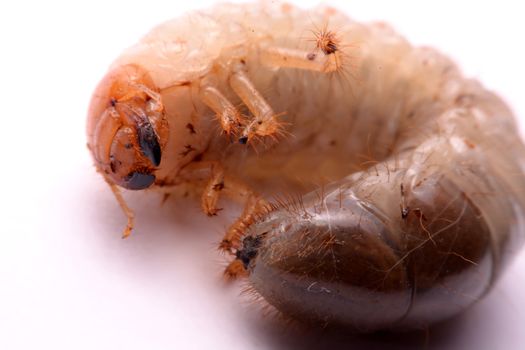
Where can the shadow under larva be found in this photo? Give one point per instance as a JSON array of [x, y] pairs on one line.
[[424, 203]]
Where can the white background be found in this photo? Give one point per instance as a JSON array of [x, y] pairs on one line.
[[67, 280]]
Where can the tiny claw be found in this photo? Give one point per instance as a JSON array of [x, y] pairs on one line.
[[243, 140], [213, 212], [127, 232]]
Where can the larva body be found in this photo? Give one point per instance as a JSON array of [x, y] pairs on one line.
[[427, 206]]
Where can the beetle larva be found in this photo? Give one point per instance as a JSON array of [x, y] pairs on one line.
[[425, 167]]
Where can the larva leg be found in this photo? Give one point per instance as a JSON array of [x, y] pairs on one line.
[[211, 183], [326, 59], [235, 269], [211, 193], [220, 183], [228, 116], [127, 211], [253, 205], [265, 121], [292, 58]]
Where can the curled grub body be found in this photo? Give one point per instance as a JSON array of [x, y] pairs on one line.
[[425, 204]]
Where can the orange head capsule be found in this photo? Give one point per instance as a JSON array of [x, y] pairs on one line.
[[127, 128]]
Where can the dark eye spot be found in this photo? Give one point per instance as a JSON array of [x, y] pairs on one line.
[[149, 143], [146, 136], [138, 181]]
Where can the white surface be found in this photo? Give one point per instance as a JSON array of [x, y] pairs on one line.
[[67, 280]]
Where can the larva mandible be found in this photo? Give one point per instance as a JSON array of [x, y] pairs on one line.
[[425, 205]]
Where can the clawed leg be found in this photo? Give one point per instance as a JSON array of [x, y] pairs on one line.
[[208, 176], [211, 193], [234, 189], [325, 58], [299, 59], [228, 116], [253, 205], [265, 121], [220, 183]]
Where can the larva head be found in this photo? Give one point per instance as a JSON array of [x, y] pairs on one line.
[[127, 128]]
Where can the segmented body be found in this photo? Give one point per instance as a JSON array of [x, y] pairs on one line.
[[428, 203]]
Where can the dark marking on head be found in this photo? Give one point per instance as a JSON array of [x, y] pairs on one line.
[[218, 186], [138, 180], [188, 150], [164, 182], [149, 142], [191, 128], [250, 247], [147, 138], [112, 165]]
